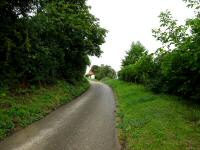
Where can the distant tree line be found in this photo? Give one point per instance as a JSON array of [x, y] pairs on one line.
[[173, 68], [45, 40], [103, 71]]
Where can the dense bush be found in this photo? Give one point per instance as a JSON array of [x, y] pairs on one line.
[[140, 72]]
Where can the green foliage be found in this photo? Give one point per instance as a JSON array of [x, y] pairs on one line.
[[178, 69], [174, 68], [95, 68], [22, 110], [169, 33], [136, 51], [140, 71], [154, 121], [103, 71], [42, 41], [193, 4]]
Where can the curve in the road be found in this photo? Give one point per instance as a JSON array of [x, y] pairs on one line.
[[87, 123]]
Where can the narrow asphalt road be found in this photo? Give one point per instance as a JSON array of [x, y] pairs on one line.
[[87, 123]]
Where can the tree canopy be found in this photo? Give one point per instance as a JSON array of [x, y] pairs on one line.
[[42, 41], [135, 52]]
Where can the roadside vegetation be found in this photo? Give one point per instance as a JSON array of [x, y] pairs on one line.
[[175, 67], [147, 118], [44, 41], [149, 121], [17, 111], [44, 52]]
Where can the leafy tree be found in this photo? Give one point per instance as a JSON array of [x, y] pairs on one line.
[[73, 32], [43, 40], [136, 51], [13, 38], [170, 34], [179, 65], [95, 68]]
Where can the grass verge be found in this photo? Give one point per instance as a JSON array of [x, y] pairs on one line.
[[20, 111], [149, 121]]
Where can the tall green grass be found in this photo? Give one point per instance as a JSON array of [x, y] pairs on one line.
[[149, 121], [20, 111]]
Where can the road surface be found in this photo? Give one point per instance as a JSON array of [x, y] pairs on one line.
[[87, 123]]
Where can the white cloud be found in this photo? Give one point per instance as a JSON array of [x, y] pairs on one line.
[[131, 20]]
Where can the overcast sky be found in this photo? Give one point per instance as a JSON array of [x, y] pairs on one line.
[[131, 20]]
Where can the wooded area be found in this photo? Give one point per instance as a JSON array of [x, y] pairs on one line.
[[46, 40]]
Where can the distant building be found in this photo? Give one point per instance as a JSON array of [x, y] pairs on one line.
[[90, 75]]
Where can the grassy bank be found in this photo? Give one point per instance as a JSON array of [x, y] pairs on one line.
[[153, 122], [19, 111]]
